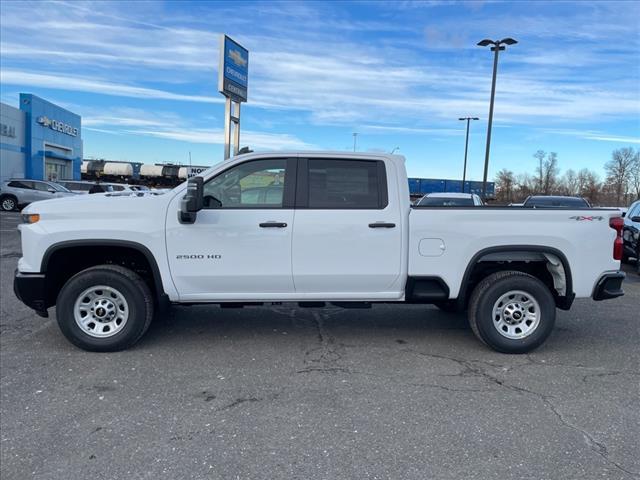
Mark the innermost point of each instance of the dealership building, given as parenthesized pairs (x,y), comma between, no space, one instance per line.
(39,140)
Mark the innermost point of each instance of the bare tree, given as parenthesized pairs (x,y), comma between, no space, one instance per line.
(569,184)
(540,156)
(589,185)
(619,171)
(635,175)
(505,181)
(549,173)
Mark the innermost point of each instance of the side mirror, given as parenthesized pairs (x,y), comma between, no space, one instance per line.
(51,190)
(192,202)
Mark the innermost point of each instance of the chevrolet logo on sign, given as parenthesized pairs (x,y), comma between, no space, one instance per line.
(237,58)
(44,121)
(57,126)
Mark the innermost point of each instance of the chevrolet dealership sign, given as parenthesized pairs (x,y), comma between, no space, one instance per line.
(57,126)
(233,72)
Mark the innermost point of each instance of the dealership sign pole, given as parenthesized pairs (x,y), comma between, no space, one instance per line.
(233,74)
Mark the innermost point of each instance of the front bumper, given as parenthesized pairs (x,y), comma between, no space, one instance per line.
(31,289)
(609,286)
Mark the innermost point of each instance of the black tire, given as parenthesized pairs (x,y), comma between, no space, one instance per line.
(129,285)
(486,295)
(8,203)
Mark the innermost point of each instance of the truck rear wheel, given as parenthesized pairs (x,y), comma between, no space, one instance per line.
(512,312)
(104,308)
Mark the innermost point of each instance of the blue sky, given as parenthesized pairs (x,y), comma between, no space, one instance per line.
(143,75)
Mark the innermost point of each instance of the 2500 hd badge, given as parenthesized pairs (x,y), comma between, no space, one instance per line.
(199,257)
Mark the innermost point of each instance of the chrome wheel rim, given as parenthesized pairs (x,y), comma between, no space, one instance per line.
(8,204)
(101,311)
(516,314)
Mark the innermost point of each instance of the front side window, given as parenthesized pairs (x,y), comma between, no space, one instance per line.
(346,184)
(43,187)
(254,184)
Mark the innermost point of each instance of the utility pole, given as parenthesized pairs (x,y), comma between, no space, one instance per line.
(355,136)
(497,46)
(466,148)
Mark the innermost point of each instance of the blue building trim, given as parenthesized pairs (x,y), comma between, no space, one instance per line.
(12,148)
(50,129)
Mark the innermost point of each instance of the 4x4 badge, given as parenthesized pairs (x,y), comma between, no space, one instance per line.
(580,218)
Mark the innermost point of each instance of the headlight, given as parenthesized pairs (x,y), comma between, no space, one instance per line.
(30,217)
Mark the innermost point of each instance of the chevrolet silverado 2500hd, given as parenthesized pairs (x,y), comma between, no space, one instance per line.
(309,227)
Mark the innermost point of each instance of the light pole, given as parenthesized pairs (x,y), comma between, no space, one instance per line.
(497,46)
(355,137)
(466,147)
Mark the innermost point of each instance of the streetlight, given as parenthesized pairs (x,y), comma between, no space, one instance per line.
(466,147)
(355,136)
(394,150)
(497,46)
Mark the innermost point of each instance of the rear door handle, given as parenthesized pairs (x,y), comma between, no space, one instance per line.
(273,225)
(382,225)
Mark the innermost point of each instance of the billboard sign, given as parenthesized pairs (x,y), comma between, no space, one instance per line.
(194,171)
(233,70)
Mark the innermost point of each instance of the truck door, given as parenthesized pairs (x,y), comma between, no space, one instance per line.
(347,236)
(240,245)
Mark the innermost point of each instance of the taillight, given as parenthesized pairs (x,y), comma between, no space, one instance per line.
(617,223)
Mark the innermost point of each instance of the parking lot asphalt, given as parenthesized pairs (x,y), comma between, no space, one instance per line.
(394,392)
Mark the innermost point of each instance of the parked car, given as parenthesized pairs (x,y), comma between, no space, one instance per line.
(631,234)
(450,200)
(341,231)
(83,186)
(551,201)
(17,193)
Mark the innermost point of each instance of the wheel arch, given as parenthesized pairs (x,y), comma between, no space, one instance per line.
(502,258)
(99,251)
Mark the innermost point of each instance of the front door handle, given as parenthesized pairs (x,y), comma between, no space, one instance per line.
(273,225)
(382,225)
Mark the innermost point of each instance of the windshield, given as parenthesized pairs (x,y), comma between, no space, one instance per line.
(445,202)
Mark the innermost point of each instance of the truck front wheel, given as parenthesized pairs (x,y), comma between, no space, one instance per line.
(512,312)
(104,308)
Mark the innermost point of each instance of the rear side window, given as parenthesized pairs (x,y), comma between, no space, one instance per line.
(21,184)
(346,184)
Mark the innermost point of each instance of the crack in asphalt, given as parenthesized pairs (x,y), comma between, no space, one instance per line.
(239,401)
(470,368)
(323,358)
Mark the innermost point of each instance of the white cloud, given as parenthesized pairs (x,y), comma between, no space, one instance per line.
(256,140)
(92,85)
(594,135)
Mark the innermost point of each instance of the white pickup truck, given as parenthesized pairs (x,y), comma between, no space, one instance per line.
(309,228)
